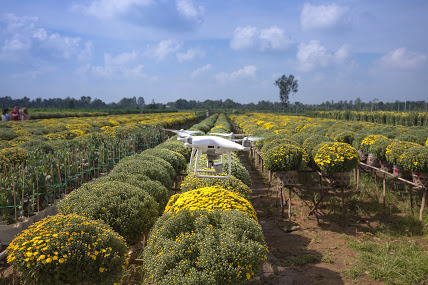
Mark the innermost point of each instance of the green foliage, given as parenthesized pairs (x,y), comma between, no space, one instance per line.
(175,145)
(285,157)
(154,188)
(37,145)
(378,148)
(191,182)
(68,249)
(128,210)
(415,159)
(204,247)
(177,160)
(157,160)
(148,168)
(276,141)
(8,134)
(345,136)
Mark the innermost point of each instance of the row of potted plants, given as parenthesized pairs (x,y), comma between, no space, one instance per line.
(208,234)
(38,165)
(292,142)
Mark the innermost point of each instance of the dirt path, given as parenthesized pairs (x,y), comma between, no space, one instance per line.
(318,244)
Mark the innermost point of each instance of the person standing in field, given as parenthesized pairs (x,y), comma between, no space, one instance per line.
(24,114)
(15,114)
(6,115)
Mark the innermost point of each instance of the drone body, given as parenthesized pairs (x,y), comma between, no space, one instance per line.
(213,147)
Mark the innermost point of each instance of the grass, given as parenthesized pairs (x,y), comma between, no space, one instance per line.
(393,246)
(392,261)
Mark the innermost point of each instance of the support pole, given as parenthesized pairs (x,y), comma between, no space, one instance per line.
(289,204)
(424,196)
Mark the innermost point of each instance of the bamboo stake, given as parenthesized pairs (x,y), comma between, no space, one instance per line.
(23,188)
(14,198)
(37,184)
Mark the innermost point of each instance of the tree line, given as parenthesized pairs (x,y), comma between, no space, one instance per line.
(86,102)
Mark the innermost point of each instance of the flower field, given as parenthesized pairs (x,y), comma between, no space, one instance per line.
(42,159)
(380,117)
(217,240)
(331,145)
(207,233)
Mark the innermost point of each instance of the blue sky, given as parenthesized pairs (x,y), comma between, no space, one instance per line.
(197,50)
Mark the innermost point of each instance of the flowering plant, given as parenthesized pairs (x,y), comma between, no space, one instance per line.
(378,148)
(210,198)
(368,141)
(311,142)
(15,155)
(145,167)
(285,157)
(396,149)
(177,160)
(191,182)
(204,247)
(68,249)
(128,210)
(415,159)
(337,157)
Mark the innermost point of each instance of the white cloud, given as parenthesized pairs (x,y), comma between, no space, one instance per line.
(163,49)
(190,55)
(124,64)
(22,38)
(311,55)
(252,38)
(106,9)
(186,9)
(314,55)
(62,46)
(323,16)
(247,71)
(403,59)
(200,70)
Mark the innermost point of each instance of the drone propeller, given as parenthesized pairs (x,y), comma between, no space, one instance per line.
(230,134)
(252,139)
(183,133)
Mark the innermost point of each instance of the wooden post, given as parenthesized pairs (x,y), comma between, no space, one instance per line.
(343,206)
(410,189)
(281,197)
(358,178)
(289,203)
(421,211)
(384,191)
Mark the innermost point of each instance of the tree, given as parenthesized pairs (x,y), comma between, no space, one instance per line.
(140,102)
(286,85)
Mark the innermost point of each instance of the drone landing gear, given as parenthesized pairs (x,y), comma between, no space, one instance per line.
(217,167)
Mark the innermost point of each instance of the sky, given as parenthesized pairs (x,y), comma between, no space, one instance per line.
(164,50)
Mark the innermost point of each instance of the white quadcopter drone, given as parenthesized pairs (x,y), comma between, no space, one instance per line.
(213,147)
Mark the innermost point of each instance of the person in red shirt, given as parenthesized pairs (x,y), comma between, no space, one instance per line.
(15,114)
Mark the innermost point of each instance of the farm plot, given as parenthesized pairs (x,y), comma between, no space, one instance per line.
(41,160)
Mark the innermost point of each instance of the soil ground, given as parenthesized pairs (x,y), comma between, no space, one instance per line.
(316,239)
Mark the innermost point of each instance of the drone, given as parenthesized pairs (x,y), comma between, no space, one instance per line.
(214,147)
